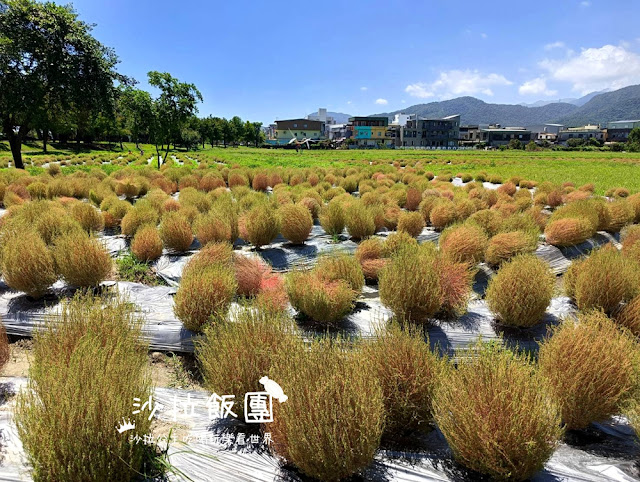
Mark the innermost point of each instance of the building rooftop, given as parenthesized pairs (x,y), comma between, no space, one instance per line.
(624,121)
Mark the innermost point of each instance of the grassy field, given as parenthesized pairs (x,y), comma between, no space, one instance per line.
(604,169)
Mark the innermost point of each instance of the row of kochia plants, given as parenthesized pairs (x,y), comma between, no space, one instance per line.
(502,412)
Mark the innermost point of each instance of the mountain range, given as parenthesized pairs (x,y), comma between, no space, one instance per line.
(597,108)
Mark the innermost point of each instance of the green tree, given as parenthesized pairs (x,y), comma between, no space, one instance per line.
(237,129)
(137,107)
(175,105)
(531,146)
(227,131)
(515,144)
(633,141)
(49,62)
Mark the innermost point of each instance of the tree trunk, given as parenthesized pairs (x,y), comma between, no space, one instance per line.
(16,150)
(45,137)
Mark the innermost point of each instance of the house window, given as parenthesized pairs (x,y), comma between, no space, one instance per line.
(295,125)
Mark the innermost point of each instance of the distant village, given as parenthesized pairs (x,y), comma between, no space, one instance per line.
(411,131)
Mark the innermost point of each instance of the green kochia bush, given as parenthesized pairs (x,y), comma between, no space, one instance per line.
(496,415)
(521,291)
(331,424)
(88,364)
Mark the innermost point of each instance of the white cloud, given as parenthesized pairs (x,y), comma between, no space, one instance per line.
(454,83)
(483,35)
(348,102)
(607,67)
(536,86)
(382,101)
(554,45)
(585,3)
(403,101)
(364,88)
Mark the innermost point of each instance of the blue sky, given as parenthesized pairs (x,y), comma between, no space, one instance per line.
(264,60)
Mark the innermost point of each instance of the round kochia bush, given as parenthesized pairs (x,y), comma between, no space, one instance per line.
(295,222)
(410,285)
(331,424)
(320,300)
(496,415)
(360,221)
(504,246)
(411,223)
(604,280)
(204,294)
(521,291)
(569,231)
(408,371)
(332,218)
(464,243)
(81,260)
(27,263)
(175,232)
(341,267)
(590,367)
(146,244)
(261,225)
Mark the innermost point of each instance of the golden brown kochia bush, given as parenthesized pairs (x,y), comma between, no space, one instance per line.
(204,295)
(590,367)
(341,267)
(410,285)
(407,371)
(521,291)
(261,225)
(489,220)
(496,415)
(604,280)
(88,217)
(147,245)
(411,223)
(369,255)
(464,243)
(318,299)
(236,353)
(568,231)
(211,254)
(210,227)
(295,222)
(620,213)
(629,316)
(249,273)
(359,221)
(81,260)
(328,428)
(443,213)
(175,232)
(505,246)
(332,218)
(27,263)
(88,363)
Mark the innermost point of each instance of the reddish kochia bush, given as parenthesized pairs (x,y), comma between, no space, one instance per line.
(590,367)
(521,291)
(250,271)
(295,222)
(505,246)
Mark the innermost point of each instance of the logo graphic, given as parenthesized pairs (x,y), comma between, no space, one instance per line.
(274,389)
(125,425)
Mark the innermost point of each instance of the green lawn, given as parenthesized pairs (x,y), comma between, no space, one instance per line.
(604,169)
